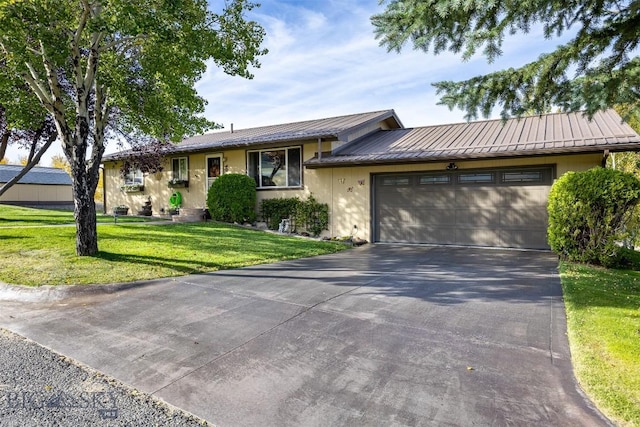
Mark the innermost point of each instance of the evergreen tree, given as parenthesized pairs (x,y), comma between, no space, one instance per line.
(597,69)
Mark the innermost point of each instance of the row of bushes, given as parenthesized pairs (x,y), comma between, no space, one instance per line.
(232,198)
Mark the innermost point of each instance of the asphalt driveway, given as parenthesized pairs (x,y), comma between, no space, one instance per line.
(380,335)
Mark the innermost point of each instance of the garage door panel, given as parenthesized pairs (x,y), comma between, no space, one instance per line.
(399,197)
(478,217)
(393,214)
(526,196)
(440,217)
(509,212)
(435,235)
(526,217)
(440,198)
(422,234)
(478,237)
(478,196)
(528,238)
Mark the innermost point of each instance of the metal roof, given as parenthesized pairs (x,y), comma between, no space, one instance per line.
(37,175)
(333,127)
(527,136)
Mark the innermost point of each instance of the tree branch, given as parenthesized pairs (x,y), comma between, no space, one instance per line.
(33,162)
(33,80)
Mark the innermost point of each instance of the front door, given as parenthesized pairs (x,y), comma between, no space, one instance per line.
(214,168)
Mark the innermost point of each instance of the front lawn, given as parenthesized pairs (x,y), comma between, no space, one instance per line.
(17,216)
(603,315)
(129,252)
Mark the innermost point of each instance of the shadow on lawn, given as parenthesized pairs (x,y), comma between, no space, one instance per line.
(186,268)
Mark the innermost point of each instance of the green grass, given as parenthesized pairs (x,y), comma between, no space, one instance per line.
(603,315)
(16,216)
(130,252)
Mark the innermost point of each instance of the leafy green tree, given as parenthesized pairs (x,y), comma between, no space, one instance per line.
(595,70)
(101,66)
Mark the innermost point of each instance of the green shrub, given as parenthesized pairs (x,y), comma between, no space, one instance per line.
(232,198)
(313,216)
(588,212)
(275,210)
(308,215)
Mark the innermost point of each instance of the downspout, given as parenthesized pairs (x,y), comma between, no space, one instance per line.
(604,159)
(319,148)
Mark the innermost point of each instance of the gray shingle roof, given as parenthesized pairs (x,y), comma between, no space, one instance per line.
(333,127)
(536,135)
(37,175)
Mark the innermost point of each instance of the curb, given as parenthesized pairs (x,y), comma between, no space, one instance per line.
(46,293)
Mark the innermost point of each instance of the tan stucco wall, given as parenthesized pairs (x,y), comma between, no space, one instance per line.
(35,193)
(155,185)
(347,190)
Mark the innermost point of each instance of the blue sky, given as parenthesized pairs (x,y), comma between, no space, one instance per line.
(324,61)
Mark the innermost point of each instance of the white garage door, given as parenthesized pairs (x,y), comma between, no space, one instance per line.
(501,208)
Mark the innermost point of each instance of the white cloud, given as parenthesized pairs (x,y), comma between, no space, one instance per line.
(324,61)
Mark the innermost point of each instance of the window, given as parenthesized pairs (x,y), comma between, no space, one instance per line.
(134,177)
(522,176)
(476,178)
(435,179)
(276,168)
(180,168)
(395,180)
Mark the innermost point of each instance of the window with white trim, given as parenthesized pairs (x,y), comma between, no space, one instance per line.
(134,177)
(276,168)
(180,169)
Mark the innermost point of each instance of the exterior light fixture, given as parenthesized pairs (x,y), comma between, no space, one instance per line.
(451,166)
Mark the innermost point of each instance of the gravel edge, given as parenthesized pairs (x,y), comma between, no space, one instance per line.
(40,387)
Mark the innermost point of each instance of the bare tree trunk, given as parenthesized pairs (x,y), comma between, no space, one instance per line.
(85,180)
(4,141)
(84,212)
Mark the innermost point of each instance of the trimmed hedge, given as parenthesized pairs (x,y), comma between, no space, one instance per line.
(275,210)
(588,212)
(232,198)
(309,214)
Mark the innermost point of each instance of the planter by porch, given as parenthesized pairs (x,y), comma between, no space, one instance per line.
(181,183)
(132,188)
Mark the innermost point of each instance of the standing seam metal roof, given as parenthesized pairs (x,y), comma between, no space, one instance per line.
(545,134)
(327,127)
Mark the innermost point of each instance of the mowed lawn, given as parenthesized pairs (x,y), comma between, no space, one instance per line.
(603,316)
(45,255)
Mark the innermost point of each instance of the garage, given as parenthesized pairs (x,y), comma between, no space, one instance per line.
(483,207)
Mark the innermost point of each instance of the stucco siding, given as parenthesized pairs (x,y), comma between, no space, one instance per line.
(156,185)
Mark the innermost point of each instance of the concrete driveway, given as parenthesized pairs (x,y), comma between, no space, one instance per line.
(380,335)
